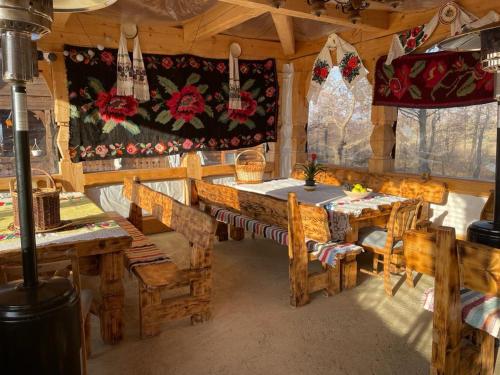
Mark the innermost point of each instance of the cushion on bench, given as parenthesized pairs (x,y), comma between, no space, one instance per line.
(478,310)
(142,251)
(325,252)
(375,237)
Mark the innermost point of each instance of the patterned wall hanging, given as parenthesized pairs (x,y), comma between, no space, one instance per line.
(433,80)
(188,109)
(349,62)
(451,14)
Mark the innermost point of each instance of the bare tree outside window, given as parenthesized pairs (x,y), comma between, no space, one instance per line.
(339,126)
(452,142)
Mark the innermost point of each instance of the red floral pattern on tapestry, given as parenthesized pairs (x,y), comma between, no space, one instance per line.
(434,80)
(187,111)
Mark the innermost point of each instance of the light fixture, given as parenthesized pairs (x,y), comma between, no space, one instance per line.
(353,8)
(278,3)
(318,7)
(73,6)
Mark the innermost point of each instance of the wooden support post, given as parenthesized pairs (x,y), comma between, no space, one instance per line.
(192,162)
(201,288)
(222,232)
(297,253)
(349,271)
(149,303)
(112,293)
(382,139)
(236,234)
(447,318)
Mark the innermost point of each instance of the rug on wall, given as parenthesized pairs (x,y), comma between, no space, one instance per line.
(188,109)
(433,80)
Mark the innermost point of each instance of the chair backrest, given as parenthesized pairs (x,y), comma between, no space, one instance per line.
(266,209)
(404,217)
(195,225)
(455,264)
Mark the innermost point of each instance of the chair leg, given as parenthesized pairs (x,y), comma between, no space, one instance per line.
(87,328)
(487,352)
(409,278)
(387,275)
(375,263)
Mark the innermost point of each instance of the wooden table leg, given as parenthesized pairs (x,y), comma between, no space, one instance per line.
(112,295)
(236,234)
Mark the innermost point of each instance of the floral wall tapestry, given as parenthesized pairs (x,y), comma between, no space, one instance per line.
(433,80)
(188,109)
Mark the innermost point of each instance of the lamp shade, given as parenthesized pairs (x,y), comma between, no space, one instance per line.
(72,6)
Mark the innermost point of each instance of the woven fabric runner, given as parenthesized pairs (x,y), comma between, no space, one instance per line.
(327,253)
(478,310)
(142,252)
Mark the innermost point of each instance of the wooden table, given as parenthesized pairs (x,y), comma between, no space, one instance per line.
(375,209)
(99,242)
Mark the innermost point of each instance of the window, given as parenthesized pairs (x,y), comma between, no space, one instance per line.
(452,142)
(340,125)
(42,129)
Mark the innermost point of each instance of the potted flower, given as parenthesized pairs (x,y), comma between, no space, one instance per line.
(311,169)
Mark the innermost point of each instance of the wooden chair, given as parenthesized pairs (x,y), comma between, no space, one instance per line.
(61,268)
(154,278)
(297,221)
(387,242)
(457,347)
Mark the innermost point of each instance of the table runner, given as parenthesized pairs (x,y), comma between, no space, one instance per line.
(338,205)
(90,223)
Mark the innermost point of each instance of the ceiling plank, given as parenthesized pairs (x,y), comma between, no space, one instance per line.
(284,27)
(217,20)
(60,21)
(371,20)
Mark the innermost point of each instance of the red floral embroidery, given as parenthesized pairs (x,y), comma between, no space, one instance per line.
(160,148)
(101,150)
(248,108)
(221,67)
(107,57)
(434,73)
(114,107)
(400,83)
(132,149)
(187,144)
(235,141)
(167,62)
(186,104)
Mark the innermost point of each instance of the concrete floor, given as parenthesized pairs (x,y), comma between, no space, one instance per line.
(255,331)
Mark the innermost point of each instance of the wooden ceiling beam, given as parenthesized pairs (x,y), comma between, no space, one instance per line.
(284,27)
(371,20)
(217,20)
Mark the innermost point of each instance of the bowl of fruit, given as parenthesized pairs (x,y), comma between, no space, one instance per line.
(356,191)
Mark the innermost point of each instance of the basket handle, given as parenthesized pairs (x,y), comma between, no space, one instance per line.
(51,183)
(246,152)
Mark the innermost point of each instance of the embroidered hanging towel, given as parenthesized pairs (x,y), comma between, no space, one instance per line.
(125,81)
(350,64)
(234,82)
(450,14)
(408,41)
(141,87)
(349,61)
(321,69)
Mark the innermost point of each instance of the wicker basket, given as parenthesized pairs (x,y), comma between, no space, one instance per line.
(251,170)
(46,204)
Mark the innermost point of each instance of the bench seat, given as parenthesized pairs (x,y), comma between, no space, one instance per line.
(327,253)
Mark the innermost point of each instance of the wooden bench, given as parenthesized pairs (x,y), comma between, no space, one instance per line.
(156,273)
(458,347)
(299,222)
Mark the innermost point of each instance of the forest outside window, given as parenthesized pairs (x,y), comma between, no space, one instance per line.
(452,142)
(339,126)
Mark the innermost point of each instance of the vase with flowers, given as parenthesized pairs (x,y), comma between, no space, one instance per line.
(311,169)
